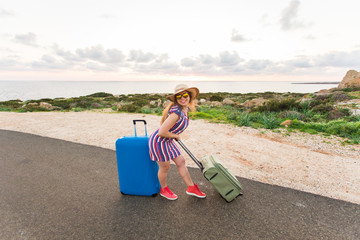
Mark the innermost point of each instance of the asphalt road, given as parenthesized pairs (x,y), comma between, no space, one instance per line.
(53,189)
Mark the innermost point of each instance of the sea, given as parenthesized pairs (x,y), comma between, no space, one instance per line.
(35,90)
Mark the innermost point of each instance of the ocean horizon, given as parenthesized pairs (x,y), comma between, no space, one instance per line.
(35,90)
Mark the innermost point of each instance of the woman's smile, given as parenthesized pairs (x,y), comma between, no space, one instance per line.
(183,101)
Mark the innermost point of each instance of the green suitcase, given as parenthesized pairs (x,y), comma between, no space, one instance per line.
(224,182)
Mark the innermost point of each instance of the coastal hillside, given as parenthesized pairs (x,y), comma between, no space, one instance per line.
(328,112)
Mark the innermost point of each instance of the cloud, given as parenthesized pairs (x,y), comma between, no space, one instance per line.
(95,66)
(97,58)
(28,39)
(288,20)
(66,55)
(257,65)
(5,13)
(7,63)
(236,37)
(188,62)
(50,62)
(338,59)
(161,64)
(98,53)
(140,57)
(227,59)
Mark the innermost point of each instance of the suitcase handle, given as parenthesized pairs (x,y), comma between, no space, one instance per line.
(200,165)
(140,120)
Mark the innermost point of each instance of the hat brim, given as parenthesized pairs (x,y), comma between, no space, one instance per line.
(193,91)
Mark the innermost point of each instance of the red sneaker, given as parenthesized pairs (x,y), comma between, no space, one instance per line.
(195,191)
(167,193)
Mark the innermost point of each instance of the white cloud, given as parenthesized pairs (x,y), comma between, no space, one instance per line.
(288,20)
(257,65)
(28,39)
(98,59)
(339,59)
(227,59)
(6,13)
(95,66)
(141,57)
(49,62)
(188,62)
(66,55)
(7,63)
(237,37)
(98,53)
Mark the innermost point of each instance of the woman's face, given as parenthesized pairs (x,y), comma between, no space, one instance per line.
(183,98)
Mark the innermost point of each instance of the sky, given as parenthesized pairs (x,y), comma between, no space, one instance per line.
(186,40)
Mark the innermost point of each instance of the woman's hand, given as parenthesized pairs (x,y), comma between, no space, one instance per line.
(177,137)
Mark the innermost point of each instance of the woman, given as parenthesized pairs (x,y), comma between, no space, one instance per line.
(174,121)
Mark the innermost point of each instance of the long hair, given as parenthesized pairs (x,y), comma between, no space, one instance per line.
(167,109)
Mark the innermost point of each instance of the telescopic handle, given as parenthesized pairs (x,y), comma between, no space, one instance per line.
(140,120)
(191,155)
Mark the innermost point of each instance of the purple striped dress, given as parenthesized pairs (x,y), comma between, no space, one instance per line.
(164,149)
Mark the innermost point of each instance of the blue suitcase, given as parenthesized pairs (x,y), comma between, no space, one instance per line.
(137,173)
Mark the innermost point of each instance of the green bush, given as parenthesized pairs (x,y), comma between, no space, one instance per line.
(146,110)
(216,97)
(130,108)
(270,121)
(339,128)
(279,105)
(244,119)
(202,115)
(100,94)
(323,108)
(5,109)
(11,104)
(292,115)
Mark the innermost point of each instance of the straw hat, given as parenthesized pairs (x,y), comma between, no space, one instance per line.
(194,92)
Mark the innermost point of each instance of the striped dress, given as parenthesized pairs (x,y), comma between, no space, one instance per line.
(164,149)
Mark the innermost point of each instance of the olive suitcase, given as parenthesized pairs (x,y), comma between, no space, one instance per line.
(224,182)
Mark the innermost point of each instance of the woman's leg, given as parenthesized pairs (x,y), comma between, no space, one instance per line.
(162,174)
(183,171)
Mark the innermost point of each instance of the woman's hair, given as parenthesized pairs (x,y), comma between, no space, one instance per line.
(167,109)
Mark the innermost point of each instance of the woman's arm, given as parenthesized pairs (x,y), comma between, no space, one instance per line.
(169,123)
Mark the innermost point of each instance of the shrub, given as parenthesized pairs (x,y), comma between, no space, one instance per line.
(11,104)
(270,121)
(244,119)
(202,115)
(351,89)
(340,128)
(336,114)
(323,108)
(340,96)
(64,104)
(292,115)
(5,109)
(100,94)
(216,97)
(146,110)
(130,108)
(277,106)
